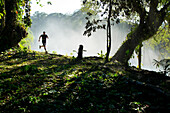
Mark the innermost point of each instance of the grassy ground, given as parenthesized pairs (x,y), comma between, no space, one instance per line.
(50,83)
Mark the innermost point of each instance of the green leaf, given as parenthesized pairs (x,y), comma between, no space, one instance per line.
(127,52)
(1,14)
(49,3)
(115,74)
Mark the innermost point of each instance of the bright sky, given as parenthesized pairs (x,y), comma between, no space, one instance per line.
(58,6)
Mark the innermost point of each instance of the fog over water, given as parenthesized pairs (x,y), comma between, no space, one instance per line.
(64,38)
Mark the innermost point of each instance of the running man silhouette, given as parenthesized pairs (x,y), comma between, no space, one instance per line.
(44,36)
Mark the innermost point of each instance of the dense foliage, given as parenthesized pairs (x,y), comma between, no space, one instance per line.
(14,19)
(21,10)
(27,41)
(161,41)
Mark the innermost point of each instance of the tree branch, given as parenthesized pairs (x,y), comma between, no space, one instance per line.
(153,4)
(165,7)
(139,9)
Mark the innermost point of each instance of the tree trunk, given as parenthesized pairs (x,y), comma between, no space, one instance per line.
(108,33)
(140,56)
(125,51)
(13,32)
(143,32)
(80,52)
(108,41)
(146,29)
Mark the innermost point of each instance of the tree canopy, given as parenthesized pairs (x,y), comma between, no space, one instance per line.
(161,41)
(148,14)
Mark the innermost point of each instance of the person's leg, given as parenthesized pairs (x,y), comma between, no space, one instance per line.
(41,45)
(44,45)
(45,49)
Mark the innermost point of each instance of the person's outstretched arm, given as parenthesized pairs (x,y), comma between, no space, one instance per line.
(39,38)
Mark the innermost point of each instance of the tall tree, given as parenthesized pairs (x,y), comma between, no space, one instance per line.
(13,23)
(149,13)
(109,32)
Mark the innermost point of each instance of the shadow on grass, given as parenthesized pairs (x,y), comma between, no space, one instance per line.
(21,85)
(53,84)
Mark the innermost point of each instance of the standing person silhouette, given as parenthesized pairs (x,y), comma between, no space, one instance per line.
(44,36)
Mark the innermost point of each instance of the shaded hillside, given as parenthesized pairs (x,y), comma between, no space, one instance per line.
(38,82)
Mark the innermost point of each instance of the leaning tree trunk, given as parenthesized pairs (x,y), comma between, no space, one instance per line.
(148,26)
(126,50)
(12,32)
(143,32)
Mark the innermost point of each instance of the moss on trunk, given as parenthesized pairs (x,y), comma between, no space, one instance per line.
(13,31)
